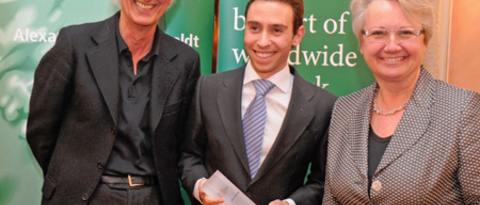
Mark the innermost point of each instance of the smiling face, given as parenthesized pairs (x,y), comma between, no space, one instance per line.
(143,13)
(269,36)
(392,61)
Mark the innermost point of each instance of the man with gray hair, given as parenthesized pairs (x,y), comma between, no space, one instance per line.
(108,108)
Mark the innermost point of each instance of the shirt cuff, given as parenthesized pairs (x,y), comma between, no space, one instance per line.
(196,193)
(290,201)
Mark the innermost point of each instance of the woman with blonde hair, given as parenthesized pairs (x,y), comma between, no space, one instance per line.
(408,138)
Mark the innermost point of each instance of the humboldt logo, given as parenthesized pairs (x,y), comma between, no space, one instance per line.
(25,35)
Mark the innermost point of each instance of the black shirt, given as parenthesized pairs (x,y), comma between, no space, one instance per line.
(132,151)
(376,148)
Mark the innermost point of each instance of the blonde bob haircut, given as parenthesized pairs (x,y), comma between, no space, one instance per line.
(414,10)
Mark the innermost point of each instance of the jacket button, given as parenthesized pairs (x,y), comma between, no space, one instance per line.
(100,166)
(114,131)
(377,186)
(84,196)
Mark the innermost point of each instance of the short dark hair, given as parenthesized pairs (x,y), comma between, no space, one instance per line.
(297,6)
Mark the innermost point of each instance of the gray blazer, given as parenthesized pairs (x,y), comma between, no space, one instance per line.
(432,158)
(215,141)
(74,108)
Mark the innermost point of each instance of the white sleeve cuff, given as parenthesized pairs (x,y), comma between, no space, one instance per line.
(196,193)
(290,201)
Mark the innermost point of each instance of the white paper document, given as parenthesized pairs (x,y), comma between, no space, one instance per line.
(219,186)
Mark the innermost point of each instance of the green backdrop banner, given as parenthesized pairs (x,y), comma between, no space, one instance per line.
(328,55)
(191,21)
(28,28)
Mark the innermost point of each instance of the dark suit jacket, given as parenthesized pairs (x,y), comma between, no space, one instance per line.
(214,141)
(74,104)
(432,158)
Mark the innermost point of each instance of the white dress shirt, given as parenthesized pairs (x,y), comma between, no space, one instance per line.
(277,101)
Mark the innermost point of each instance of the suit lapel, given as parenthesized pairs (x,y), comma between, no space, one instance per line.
(103,61)
(298,117)
(229,105)
(414,122)
(358,126)
(164,75)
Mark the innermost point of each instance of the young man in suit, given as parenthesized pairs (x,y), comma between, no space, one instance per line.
(262,124)
(108,106)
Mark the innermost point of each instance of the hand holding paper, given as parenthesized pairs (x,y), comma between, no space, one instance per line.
(219,186)
(204,198)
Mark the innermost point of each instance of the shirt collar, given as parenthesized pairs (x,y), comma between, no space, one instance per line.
(122,46)
(281,79)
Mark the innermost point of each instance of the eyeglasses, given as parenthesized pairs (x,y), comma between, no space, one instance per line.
(382,35)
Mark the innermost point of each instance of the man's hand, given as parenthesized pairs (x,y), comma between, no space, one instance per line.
(206,200)
(278,202)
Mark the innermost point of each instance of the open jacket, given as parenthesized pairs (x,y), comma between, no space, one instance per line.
(215,141)
(74,109)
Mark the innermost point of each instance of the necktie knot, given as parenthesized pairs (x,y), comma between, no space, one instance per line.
(263,86)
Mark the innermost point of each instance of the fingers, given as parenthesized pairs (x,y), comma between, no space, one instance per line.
(278,202)
(211,201)
(207,200)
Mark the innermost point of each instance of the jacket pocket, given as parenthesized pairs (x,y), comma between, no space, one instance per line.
(48,187)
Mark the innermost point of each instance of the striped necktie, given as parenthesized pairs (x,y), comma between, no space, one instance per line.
(254,124)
